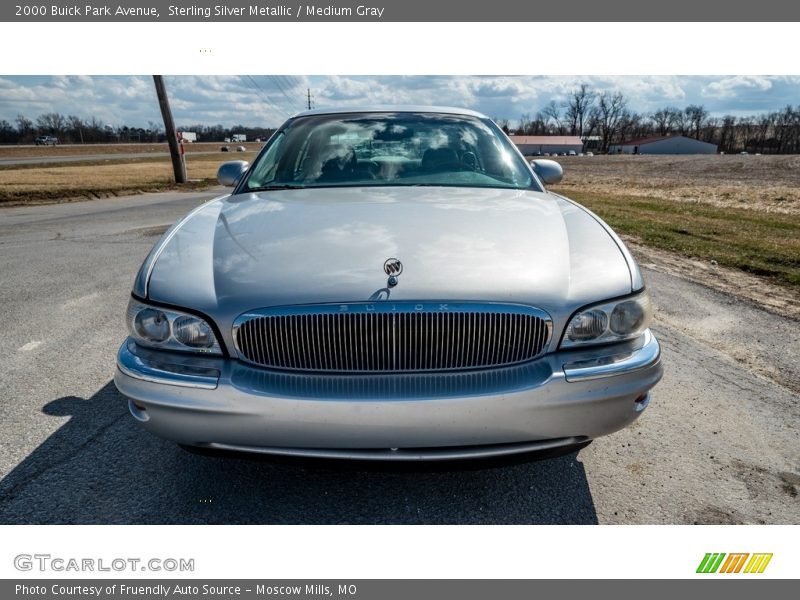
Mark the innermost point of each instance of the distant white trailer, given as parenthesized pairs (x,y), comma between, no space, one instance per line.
(187,136)
(239,137)
(670,144)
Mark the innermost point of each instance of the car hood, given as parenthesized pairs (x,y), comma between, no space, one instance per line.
(329,245)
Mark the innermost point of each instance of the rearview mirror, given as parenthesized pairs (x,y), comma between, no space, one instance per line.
(549,171)
(230,172)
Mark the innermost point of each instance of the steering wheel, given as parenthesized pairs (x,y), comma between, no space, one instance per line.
(470,161)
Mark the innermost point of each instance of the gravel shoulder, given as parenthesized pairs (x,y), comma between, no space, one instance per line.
(758,291)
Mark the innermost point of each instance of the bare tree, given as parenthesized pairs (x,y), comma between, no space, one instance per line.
(682,122)
(746,130)
(51,122)
(7,132)
(610,109)
(524,124)
(763,128)
(630,125)
(727,133)
(787,130)
(551,111)
(539,125)
(76,126)
(696,115)
(710,129)
(96,130)
(579,105)
(664,119)
(24,126)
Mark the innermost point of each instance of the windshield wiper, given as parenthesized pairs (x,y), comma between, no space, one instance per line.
(282,186)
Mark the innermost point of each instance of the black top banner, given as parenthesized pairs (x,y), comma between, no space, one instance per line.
(403,10)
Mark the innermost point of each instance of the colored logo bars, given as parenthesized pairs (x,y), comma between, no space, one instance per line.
(733,563)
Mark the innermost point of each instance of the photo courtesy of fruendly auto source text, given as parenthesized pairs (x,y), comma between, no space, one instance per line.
(369,264)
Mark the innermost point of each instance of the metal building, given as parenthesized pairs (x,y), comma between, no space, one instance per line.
(668,144)
(537,145)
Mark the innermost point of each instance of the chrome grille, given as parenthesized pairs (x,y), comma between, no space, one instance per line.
(392,337)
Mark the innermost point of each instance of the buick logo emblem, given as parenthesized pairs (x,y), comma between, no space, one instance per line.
(393,267)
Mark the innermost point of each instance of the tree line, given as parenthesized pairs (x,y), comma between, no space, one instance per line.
(605,118)
(600,118)
(71,129)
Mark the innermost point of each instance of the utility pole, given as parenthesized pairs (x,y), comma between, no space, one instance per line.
(309,98)
(178,164)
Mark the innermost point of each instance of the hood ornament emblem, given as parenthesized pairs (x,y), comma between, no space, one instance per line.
(392,267)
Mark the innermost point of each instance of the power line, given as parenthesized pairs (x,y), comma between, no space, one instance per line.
(265,97)
(292,83)
(279,86)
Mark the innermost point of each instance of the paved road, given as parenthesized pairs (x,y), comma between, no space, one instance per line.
(41,160)
(719,443)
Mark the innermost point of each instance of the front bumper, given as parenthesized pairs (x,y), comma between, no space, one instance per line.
(560,399)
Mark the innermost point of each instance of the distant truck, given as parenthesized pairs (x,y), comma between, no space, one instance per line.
(187,136)
(239,137)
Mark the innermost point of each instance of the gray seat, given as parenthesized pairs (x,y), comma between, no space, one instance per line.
(440,159)
(341,167)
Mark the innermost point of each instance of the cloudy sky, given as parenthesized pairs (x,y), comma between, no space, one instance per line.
(259,100)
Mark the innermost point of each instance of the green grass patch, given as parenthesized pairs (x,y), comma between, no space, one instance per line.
(762,243)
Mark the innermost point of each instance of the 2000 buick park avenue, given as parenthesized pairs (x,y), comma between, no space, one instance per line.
(389,285)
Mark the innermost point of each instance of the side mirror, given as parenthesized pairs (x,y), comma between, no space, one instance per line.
(230,172)
(548,171)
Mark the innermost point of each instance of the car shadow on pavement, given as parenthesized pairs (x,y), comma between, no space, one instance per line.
(101,467)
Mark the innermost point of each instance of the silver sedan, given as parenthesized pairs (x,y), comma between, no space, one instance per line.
(388,285)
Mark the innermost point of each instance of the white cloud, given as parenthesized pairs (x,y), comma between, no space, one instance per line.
(264,100)
(731,87)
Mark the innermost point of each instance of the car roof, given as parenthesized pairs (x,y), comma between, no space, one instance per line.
(447,110)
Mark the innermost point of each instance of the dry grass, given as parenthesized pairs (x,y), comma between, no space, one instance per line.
(55,182)
(737,211)
(760,183)
(78,150)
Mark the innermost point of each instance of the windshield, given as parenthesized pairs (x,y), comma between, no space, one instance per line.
(389,149)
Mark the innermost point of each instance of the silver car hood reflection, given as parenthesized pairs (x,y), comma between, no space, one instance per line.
(326,245)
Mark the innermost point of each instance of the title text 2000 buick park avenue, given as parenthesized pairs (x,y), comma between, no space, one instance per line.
(388,284)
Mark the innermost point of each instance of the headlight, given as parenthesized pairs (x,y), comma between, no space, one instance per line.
(614,321)
(169,329)
(193,332)
(151,324)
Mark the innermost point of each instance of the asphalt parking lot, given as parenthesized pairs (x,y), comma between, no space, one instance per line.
(719,443)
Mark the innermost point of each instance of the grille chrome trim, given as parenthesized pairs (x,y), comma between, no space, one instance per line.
(392,337)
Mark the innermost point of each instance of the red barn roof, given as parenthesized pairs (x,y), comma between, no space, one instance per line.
(543,140)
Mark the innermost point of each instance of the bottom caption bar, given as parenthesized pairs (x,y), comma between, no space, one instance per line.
(384,589)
